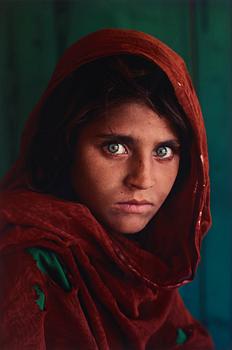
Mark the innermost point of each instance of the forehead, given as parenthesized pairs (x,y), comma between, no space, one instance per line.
(134,119)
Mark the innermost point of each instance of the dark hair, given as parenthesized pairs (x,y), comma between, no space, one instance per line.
(86,94)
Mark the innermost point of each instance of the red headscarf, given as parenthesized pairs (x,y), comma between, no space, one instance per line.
(127,293)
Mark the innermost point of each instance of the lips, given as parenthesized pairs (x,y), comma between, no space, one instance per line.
(134,207)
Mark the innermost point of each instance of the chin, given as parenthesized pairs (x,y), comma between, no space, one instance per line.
(128,228)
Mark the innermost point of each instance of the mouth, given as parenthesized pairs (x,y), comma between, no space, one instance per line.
(134,207)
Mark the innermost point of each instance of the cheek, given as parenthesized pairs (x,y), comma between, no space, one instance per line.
(167,177)
(92,174)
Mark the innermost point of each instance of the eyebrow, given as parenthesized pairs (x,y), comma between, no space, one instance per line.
(126,139)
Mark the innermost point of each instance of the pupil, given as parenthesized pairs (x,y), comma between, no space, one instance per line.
(113,147)
(162,151)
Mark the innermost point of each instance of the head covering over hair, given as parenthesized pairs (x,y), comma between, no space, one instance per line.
(169,257)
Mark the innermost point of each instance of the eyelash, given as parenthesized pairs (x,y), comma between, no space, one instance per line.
(174,149)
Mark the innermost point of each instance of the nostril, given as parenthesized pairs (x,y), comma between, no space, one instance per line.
(139,181)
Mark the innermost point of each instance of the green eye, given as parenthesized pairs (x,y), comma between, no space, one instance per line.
(116,148)
(164,152)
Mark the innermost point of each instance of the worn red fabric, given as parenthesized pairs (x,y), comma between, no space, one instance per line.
(124,294)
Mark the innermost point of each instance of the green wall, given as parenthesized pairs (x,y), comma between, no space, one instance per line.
(33,34)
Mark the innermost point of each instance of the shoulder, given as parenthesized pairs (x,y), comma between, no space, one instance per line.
(22,298)
(32,265)
(189,331)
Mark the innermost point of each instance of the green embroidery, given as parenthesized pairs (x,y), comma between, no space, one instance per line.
(181,336)
(41,297)
(49,263)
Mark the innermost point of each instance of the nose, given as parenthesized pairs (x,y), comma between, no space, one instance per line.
(140,174)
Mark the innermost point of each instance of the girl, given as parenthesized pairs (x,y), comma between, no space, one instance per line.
(104,212)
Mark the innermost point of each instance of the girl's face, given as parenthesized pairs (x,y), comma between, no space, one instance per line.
(125,166)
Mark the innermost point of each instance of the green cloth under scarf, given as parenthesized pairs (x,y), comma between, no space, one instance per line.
(49,263)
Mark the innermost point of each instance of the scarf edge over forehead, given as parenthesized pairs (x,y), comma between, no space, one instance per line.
(185,222)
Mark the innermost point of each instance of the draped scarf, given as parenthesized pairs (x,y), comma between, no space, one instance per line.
(118,293)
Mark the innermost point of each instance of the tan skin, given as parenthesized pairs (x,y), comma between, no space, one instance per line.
(140,163)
